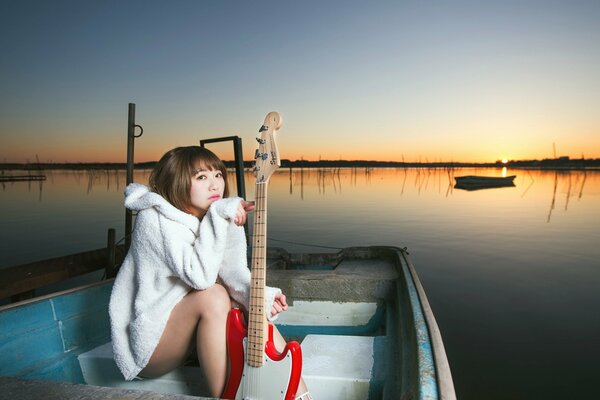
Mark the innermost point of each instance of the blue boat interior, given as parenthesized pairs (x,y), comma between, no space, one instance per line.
(380,349)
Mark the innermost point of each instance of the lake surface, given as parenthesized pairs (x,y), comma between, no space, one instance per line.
(512,274)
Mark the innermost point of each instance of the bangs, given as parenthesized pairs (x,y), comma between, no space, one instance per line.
(205,160)
(200,165)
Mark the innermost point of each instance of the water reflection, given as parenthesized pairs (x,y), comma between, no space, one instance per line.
(556,186)
(92,179)
(531,182)
(532,186)
(333,180)
(573,186)
(32,185)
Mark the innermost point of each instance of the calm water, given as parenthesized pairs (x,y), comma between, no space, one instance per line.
(512,274)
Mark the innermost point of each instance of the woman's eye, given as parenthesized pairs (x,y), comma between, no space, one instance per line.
(219,175)
(201,177)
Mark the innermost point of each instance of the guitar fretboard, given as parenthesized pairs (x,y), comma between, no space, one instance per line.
(257,334)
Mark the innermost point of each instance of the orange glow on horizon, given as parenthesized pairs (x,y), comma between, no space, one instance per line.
(148,149)
(150,155)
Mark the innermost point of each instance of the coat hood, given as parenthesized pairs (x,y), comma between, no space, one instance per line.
(139,197)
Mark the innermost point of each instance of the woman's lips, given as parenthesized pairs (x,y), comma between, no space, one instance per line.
(214,197)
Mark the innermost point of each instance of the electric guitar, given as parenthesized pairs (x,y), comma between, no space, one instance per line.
(257,370)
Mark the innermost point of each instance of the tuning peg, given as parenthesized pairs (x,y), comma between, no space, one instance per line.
(258,154)
(261,141)
(263,128)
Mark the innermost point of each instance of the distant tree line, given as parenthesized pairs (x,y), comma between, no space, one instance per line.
(555,163)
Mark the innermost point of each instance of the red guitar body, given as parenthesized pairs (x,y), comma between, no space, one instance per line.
(281,371)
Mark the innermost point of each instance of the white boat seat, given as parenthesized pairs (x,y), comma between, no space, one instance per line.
(99,368)
(334,367)
(344,367)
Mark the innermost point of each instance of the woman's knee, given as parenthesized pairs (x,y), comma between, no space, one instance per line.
(212,302)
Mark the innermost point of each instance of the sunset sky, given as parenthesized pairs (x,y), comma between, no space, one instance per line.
(388,80)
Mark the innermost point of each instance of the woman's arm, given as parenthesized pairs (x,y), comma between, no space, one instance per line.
(235,275)
(196,260)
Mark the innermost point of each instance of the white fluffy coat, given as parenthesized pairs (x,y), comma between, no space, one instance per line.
(172,252)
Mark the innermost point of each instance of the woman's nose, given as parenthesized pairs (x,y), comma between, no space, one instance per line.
(213,182)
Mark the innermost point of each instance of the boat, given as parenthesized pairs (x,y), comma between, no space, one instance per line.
(361,315)
(475,182)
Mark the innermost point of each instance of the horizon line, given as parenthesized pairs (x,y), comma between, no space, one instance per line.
(563,159)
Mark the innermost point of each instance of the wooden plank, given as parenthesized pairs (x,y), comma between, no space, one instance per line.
(16,178)
(27,277)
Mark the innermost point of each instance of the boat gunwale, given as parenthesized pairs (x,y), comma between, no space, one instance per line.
(444,379)
(52,295)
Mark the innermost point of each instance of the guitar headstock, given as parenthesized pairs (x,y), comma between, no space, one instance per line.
(267,155)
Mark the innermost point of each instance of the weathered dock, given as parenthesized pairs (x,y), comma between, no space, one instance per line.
(16,178)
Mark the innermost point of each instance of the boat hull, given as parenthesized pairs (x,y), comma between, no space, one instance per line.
(474,182)
(369,297)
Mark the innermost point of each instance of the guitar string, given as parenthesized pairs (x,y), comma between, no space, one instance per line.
(260,254)
(257,254)
(254,354)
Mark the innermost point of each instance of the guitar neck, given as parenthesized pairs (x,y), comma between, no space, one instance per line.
(257,326)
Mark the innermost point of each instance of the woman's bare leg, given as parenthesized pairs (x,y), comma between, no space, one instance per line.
(280,345)
(211,341)
(200,318)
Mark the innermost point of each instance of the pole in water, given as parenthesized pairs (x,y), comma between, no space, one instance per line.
(130,152)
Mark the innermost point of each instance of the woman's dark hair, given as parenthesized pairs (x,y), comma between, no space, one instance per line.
(172,176)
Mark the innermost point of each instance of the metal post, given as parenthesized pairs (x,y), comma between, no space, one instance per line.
(239,166)
(131,125)
(130,143)
(239,160)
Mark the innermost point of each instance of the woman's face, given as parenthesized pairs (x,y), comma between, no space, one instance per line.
(207,187)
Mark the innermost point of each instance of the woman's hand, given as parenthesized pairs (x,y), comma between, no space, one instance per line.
(244,208)
(279,304)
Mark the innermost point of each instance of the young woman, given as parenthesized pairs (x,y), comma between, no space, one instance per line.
(185,269)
